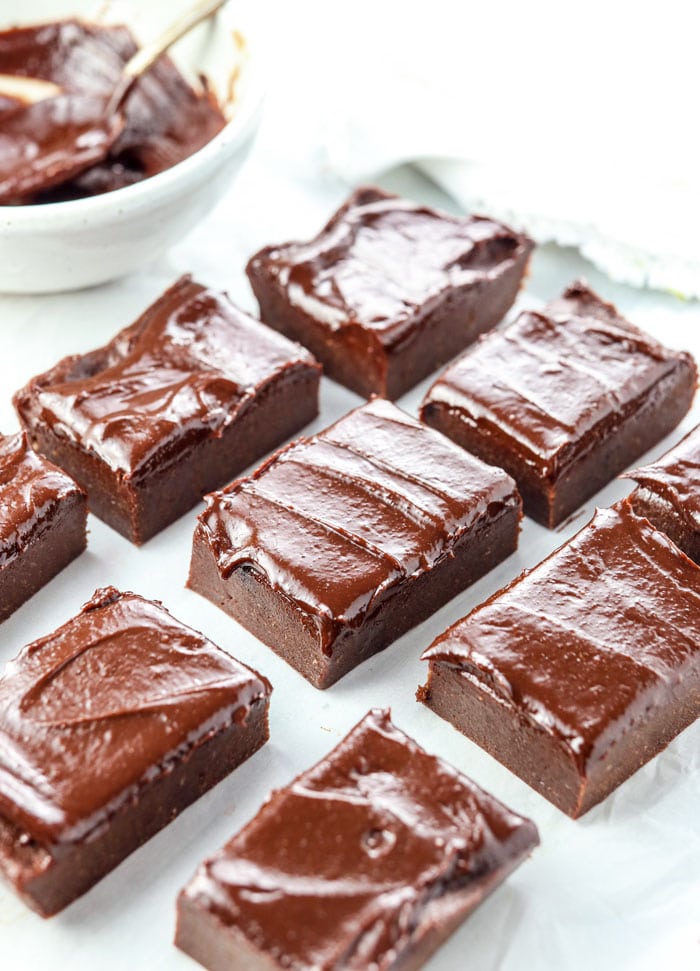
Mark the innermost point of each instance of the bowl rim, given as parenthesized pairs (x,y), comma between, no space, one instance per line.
(162,183)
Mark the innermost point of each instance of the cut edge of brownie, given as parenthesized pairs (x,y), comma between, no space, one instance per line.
(656,496)
(355,356)
(45,556)
(50,858)
(531,753)
(550,500)
(668,517)
(220,945)
(49,881)
(139,506)
(139,509)
(55,539)
(463,697)
(282,624)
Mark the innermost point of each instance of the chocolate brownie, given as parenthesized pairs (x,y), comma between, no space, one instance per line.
(109,727)
(669,493)
(43,515)
(174,406)
(370,859)
(389,290)
(563,399)
(342,542)
(584,668)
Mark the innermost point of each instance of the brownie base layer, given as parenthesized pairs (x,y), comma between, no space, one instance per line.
(356,358)
(218,946)
(532,754)
(668,519)
(551,500)
(50,878)
(45,556)
(292,633)
(138,508)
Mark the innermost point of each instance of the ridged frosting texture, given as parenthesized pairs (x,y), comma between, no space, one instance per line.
(336,520)
(675,476)
(553,378)
(339,869)
(105,704)
(183,372)
(381,262)
(31,490)
(586,643)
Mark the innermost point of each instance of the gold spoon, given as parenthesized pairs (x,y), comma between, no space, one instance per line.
(51,136)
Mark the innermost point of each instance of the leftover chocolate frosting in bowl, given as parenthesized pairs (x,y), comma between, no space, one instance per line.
(164,119)
(188,126)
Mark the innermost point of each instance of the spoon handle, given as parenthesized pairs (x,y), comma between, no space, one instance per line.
(27,89)
(147,55)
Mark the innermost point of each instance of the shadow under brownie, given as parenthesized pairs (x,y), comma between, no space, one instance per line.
(390,290)
(109,728)
(341,542)
(563,399)
(174,406)
(668,493)
(43,515)
(370,859)
(582,669)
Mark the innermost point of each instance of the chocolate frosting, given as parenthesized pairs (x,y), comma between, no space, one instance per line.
(382,263)
(340,868)
(586,643)
(165,120)
(335,521)
(675,477)
(31,490)
(105,704)
(188,367)
(554,380)
(48,143)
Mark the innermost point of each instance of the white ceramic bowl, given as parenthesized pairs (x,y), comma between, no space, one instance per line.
(76,244)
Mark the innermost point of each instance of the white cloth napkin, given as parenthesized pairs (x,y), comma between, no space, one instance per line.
(573,120)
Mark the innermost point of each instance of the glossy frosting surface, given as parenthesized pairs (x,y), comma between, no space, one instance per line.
(336,520)
(31,489)
(382,262)
(48,143)
(675,476)
(582,645)
(546,383)
(337,870)
(165,119)
(184,371)
(103,705)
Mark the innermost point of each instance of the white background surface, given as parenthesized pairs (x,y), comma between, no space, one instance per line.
(618,889)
